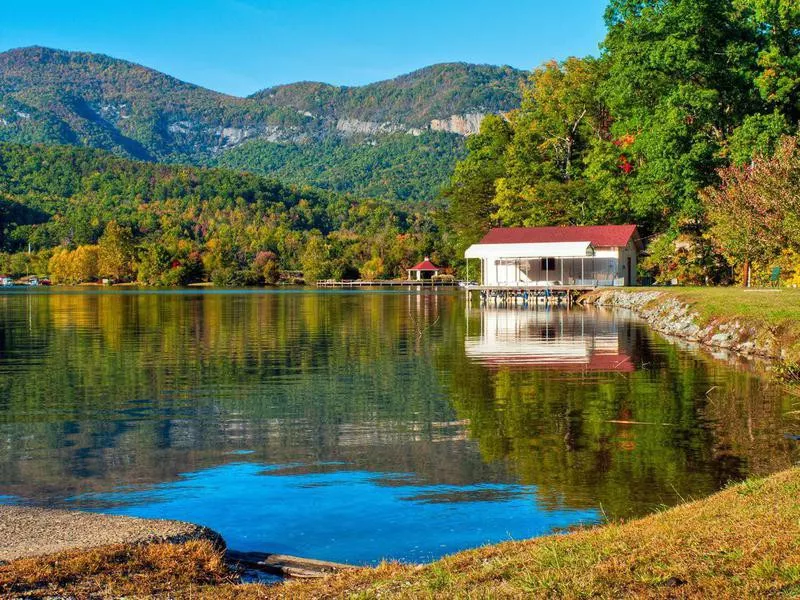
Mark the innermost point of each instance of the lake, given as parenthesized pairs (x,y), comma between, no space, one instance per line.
(358,426)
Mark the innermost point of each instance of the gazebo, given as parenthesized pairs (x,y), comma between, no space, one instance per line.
(424,270)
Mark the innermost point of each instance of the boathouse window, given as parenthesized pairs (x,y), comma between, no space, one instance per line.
(548,264)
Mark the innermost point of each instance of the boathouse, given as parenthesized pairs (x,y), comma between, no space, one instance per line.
(424,270)
(588,256)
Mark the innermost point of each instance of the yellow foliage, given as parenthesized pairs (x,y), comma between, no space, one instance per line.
(790,265)
(76,266)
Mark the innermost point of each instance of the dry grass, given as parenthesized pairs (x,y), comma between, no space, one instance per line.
(743,542)
(112,571)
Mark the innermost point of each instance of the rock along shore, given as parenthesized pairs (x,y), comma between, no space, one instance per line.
(27,531)
(667,314)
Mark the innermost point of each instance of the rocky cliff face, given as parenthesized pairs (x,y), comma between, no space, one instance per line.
(463,125)
(468,124)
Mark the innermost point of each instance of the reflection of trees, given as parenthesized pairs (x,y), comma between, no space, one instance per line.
(109,388)
(557,428)
(140,387)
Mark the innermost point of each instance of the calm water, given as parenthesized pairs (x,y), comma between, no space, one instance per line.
(362,426)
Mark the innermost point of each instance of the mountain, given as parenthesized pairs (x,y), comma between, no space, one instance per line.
(447,97)
(397,138)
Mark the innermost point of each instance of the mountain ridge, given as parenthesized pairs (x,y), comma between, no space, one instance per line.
(86,99)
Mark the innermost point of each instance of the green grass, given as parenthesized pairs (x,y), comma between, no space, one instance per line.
(776,307)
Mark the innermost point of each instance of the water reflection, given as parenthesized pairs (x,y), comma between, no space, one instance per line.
(343,514)
(551,339)
(402,420)
(595,409)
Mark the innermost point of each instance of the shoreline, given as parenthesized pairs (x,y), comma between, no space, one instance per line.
(741,542)
(676,313)
(27,532)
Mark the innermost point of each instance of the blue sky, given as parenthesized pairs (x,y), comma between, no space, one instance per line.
(240,46)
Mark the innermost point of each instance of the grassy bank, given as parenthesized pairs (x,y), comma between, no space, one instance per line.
(741,542)
(777,307)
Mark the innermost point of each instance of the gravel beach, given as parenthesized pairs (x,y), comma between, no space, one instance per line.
(26,531)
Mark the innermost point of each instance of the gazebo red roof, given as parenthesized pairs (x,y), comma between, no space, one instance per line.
(425,265)
(598,235)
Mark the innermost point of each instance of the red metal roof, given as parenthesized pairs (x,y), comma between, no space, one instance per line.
(598,235)
(425,265)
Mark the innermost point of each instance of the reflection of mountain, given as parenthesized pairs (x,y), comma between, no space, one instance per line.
(549,339)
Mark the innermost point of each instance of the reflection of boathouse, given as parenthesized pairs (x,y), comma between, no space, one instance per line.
(553,339)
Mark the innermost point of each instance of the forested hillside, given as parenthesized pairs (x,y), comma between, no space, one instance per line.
(57,97)
(673,127)
(415,99)
(400,167)
(86,214)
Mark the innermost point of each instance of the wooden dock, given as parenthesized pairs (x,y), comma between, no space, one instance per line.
(508,295)
(390,283)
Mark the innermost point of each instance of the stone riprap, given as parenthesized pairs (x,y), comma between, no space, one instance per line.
(667,314)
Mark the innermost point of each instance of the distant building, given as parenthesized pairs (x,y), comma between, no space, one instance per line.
(424,270)
(601,255)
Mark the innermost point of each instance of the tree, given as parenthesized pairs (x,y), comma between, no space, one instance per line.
(373,269)
(755,212)
(154,263)
(315,258)
(560,118)
(266,264)
(680,80)
(116,252)
(472,187)
(778,26)
(76,266)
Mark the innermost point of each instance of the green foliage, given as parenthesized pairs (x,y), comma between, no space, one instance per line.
(396,167)
(116,252)
(779,58)
(680,79)
(172,225)
(315,259)
(52,96)
(472,187)
(757,136)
